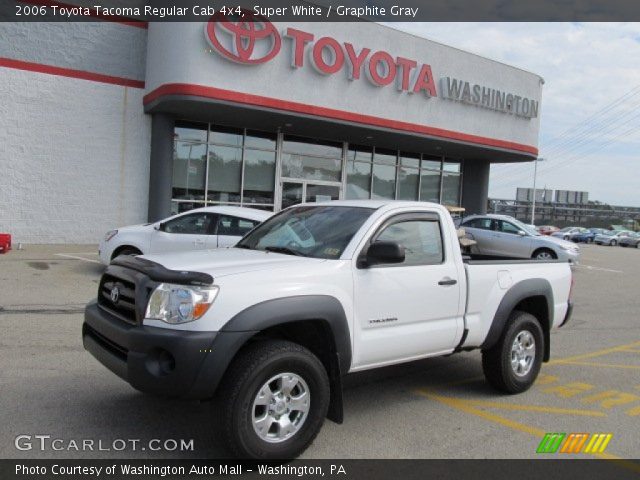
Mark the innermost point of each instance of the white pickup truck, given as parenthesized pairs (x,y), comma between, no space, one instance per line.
(268,328)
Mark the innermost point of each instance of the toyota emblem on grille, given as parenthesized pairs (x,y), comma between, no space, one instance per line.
(115,294)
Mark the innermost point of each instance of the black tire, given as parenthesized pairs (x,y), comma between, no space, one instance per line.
(496,361)
(126,251)
(542,251)
(233,406)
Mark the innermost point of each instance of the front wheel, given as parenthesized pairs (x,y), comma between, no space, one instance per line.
(272,401)
(513,364)
(544,254)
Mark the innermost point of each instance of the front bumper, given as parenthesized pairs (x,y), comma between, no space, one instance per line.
(169,362)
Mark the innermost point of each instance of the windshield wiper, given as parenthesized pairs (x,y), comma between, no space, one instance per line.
(285,250)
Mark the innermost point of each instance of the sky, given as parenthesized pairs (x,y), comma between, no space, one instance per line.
(590,110)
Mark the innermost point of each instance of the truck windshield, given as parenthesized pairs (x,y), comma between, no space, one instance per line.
(321,231)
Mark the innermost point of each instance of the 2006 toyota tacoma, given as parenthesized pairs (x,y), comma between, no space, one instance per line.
(268,328)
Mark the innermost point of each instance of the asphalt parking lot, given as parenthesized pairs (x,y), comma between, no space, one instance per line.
(437,408)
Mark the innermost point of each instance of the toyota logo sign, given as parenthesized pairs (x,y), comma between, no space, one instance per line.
(252,39)
(115,295)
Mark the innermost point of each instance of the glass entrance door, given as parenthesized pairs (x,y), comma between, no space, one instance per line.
(307,191)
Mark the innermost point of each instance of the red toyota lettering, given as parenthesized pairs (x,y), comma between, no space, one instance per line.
(300,39)
(386,60)
(356,60)
(425,82)
(327,44)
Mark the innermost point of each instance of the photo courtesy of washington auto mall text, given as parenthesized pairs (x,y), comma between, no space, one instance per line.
(359,239)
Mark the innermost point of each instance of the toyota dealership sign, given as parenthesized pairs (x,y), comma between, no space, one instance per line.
(255,40)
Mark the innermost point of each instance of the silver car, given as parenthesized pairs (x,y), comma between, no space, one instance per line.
(611,237)
(504,236)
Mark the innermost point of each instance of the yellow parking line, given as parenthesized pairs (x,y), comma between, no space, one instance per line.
(521,427)
(597,353)
(466,407)
(536,408)
(606,365)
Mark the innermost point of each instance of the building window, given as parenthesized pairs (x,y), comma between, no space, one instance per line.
(377,173)
(221,165)
(451,183)
(384,174)
(311,159)
(430,173)
(408,176)
(359,161)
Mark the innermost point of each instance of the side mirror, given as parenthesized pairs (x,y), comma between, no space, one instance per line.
(383,253)
(159,227)
(522,233)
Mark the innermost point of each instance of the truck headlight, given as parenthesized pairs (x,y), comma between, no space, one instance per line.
(180,303)
(110,234)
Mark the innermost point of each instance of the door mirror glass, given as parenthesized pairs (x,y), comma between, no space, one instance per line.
(159,227)
(382,252)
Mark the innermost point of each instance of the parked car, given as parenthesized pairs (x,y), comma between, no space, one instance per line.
(504,236)
(611,237)
(633,240)
(547,229)
(567,233)
(198,229)
(312,294)
(587,235)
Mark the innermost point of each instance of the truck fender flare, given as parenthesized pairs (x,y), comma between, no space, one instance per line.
(533,287)
(275,312)
(261,316)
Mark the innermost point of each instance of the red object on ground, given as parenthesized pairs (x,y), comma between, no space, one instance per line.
(5,242)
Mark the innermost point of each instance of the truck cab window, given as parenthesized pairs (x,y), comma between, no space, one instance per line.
(420,238)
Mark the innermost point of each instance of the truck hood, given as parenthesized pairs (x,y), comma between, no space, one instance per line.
(228,261)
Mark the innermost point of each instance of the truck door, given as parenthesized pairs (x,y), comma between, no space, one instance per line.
(413,308)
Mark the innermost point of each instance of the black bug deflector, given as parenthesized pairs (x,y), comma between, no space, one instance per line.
(159,273)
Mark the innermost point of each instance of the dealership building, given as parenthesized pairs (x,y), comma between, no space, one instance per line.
(111,122)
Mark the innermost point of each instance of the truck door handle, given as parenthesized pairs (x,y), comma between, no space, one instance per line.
(447,281)
(198,242)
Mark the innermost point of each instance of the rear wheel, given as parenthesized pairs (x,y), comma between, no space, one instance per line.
(544,254)
(513,363)
(272,401)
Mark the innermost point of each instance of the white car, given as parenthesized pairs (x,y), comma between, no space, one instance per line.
(198,229)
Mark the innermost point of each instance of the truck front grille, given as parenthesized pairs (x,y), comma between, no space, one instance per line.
(118,297)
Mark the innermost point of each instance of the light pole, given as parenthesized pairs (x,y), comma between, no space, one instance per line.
(533,203)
